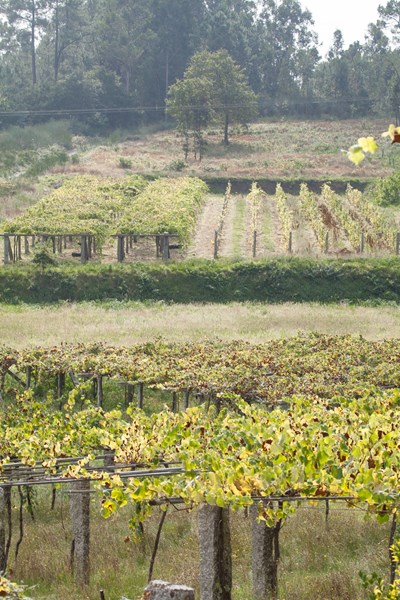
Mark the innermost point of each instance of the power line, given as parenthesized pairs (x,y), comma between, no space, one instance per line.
(134,109)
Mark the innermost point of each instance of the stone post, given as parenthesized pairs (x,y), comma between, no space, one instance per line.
(215,553)
(264,565)
(80,522)
(3,565)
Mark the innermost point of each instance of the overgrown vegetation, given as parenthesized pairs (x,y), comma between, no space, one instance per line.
(280,280)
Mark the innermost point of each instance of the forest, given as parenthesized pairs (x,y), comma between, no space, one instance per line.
(110,62)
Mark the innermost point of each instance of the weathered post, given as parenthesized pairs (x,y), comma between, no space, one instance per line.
(215,553)
(162,590)
(129,393)
(3,556)
(264,565)
(99,391)
(84,251)
(186,398)
(140,393)
(6,257)
(174,402)
(120,247)
(254,244)
(216,242)
(28,377)
(397,244)
(165,250)
(80,521)
(290,246)
(362,243)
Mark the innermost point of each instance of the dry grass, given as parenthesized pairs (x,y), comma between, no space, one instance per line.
(125,323)
(272,149)
(316,562)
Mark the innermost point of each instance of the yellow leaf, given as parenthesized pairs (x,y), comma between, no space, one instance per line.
(392,130)
(355,154)
(368,144)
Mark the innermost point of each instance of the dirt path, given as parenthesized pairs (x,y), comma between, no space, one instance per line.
(203,242)
(226,248)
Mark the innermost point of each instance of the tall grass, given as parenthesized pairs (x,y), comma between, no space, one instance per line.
(33,137)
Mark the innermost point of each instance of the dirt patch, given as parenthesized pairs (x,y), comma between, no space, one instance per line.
(203,242)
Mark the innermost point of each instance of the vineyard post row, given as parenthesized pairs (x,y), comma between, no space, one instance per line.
(98,394)
(88,247)
(215,548)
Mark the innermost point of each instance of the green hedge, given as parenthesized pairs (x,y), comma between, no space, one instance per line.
(280,280)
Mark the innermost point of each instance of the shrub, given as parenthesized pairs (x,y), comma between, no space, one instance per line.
(387,191)
(125,163)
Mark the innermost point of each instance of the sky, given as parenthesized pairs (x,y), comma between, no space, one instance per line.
(352,17)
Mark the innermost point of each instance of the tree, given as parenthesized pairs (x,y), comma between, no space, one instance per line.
(26,18)
(285,36)
(68,25)
(231,98)
(189,103)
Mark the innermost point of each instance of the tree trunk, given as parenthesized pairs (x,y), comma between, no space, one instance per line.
(56,44)
(33,49)
(226,129)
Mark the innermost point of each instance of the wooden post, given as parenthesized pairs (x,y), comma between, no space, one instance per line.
(28,378)
(165,254)
(327,242)
(397,244)
(140,395)
(216,243)
(174,402)
(129,393)
(186,398)
(99,391)
(254,244)
(215,553)
(120,248)
(290,248)
(84,248)
(60,384)
(80,521)
(3,518)
(362,243)
(6,257)
(162,590)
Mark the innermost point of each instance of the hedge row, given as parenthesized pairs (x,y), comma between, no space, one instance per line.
(281,280)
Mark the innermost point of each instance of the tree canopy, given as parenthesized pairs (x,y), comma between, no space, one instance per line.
(103,55)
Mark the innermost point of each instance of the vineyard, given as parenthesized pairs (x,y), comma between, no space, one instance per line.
(98,209)
(267,428)
(121,220)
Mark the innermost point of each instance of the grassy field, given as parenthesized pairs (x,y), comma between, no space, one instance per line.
(284,148)
(125,323)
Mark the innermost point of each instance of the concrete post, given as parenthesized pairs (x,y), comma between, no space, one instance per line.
(80,522)
(3,564)
(264,566)
(215,553)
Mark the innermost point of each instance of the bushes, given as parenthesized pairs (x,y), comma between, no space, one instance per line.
(387,191)
(283,280)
